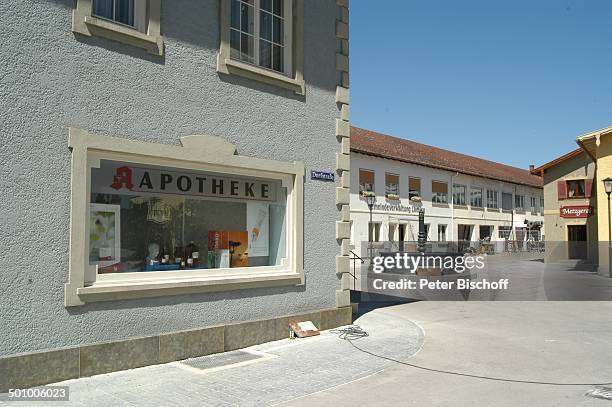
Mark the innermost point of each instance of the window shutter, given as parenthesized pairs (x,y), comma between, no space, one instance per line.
(588,187)
(562,190)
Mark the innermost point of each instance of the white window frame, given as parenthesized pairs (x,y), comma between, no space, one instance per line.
(145,34)
(287,35)
(494,193)
(206,153)
(476,189)
(464,194)
(293,77)
(420,187)
(442,232)
(447,192)
(373,189)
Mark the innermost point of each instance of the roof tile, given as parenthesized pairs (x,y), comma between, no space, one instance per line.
(384,146)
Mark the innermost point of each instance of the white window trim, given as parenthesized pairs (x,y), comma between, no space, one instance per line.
(85,23)
(294,80)
(207,153)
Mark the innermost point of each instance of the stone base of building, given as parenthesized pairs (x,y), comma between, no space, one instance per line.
(39,368)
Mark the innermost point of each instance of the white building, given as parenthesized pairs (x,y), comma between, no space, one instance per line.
(465,198)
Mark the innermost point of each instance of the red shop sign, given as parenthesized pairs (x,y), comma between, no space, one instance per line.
(578,211)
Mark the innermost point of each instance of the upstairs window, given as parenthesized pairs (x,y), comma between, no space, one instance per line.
(476,197)
(366,181)
(131,13)
(492,199)
(576,188)
(414,187)
(260,33)
(534,204)
(459,194)
(506,201)
(392,186)
(519,202)
(439,192)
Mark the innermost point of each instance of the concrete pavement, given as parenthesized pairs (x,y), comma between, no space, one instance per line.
(564,342)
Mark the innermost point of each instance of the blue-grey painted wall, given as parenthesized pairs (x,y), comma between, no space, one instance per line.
(51,79)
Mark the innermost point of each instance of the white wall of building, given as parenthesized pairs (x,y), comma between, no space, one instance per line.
(435,214)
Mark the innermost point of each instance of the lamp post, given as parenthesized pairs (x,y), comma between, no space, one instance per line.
(608,188)
(370,199)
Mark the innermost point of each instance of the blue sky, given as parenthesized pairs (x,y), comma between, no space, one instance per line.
(513,81)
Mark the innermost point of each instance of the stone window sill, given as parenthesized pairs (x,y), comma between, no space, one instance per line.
(477,208)
(156,287)
(439,205)
(464,207)
(153,44)
(233,67)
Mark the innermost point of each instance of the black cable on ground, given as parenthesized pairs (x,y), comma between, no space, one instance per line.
(353,332)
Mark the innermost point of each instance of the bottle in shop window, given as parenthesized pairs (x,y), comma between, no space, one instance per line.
(192,255)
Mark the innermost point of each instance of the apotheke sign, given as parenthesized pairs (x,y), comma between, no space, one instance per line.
(119,178)
(578,211)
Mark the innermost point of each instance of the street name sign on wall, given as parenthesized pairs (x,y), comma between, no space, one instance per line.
(576,211)
(322,175)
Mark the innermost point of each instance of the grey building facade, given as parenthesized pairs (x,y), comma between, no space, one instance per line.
(87,88)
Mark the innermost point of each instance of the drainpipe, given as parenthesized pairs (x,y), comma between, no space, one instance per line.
(452,205)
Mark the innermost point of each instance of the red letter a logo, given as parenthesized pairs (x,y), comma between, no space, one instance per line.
(123,178)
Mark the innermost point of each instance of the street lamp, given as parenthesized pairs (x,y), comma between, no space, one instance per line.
(608,188)
(370,198)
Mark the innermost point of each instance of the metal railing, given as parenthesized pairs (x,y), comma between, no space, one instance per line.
(354,258)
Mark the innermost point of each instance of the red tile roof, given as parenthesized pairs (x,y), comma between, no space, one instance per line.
(384,146)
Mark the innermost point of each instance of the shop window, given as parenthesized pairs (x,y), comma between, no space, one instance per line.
(504,232)
(262,39)
(486,232)
(441,233)
(492,199)
(133,22)
(414,187)
(439,192)
(392,186)
(476,197)
(152,218)
(160,220)
(459,194)
(506,201)
(366,181)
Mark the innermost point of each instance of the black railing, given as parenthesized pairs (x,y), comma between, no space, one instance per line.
(354,258)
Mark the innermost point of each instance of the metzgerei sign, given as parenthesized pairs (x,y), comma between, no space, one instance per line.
(577,211)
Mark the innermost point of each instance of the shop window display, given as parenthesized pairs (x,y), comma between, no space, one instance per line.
(152,218)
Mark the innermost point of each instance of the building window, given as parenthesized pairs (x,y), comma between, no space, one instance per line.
(134,22)
(504,232)
(392,186)
(492,199)
(519,202)
(506,201)
(441,233)
(439,192)
(458,194)
(374,232)
(153,218)
(575,188)
(129,12)
(542,204)
(534,204)
(476,197)
(486,232)
(366,181)
(414,187)
(260,33)
(157,225)
(260,40)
